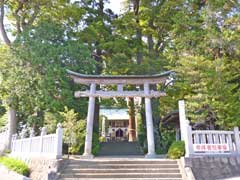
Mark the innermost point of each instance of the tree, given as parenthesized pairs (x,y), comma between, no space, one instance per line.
(39,83)
(74,131)
(204,54)
(21,16)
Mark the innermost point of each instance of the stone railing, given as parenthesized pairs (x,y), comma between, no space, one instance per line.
(212,142)
(207,142)
(44,145)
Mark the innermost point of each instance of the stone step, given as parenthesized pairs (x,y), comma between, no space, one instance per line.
(114,171)
(120,148)
(101,162)
(121,178)
(122,175)
(120,166)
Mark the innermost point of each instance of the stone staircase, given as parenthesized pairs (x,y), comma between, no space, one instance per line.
(121,168)
(119,148)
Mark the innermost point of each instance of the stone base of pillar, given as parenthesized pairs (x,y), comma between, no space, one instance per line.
(87,156)
(58,156)
(150,156)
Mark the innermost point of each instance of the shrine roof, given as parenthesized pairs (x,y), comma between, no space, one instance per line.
(119,79)
(114,113)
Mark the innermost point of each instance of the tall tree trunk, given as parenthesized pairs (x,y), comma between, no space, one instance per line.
(155,101)
(2,27)
(99,69)
(12,118)
(132,123)
(12,125)
(139,53)
(150,40)
(97,104)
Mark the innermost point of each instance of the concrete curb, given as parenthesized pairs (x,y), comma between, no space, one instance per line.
(187,170)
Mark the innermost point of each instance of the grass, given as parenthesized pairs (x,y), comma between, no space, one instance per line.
(15,165)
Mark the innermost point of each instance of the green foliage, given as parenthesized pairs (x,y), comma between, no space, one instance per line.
(200,41)
(2,109)
(33,72)
(3,120)
(204,55)
(176,150)
(204,100)
(51,120)
(141,131)
(95,143)
(167,138)
(15,165)
(74,131)
(35,11)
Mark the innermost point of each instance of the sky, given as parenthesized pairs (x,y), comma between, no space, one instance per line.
(115,5)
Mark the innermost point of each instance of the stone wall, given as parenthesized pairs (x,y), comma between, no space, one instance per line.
(41,167)
(213,168)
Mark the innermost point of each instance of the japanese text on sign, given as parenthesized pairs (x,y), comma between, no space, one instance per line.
(210,147)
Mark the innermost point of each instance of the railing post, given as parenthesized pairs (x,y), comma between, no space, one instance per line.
(237,139)
(182,119)
(188,140)
(31,135)
(58,141)
(43,133)
(13,143)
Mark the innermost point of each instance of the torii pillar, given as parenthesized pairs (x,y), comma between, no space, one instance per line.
(149,122)
(90,118)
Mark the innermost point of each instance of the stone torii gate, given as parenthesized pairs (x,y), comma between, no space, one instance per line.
(120,81)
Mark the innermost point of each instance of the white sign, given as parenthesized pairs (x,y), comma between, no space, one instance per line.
(210,147)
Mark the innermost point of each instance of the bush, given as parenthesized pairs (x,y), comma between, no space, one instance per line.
(176,150)
(102,139)
(15,165)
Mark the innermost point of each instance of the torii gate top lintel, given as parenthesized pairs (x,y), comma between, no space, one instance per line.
(119,79)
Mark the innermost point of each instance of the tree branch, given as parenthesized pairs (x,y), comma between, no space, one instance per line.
(136,4)
(20,6)
(34,16)
(2,27)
